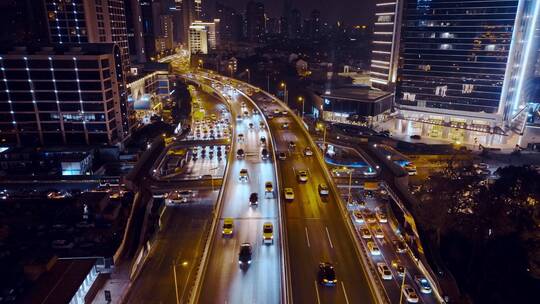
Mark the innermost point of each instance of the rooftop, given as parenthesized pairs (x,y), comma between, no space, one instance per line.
(360,93)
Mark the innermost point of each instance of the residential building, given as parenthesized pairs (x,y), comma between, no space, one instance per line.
(166,30)
(63,94)
(204,36)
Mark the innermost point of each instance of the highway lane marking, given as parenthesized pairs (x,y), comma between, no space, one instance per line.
(329,239)
(234,250)
(344,292)
(307,237)
(317,291)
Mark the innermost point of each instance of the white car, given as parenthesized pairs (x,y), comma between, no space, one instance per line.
(268,233)
(308,151)
(373,249)
(282,156)
(378,231)
(302,176)
(277,112)
(243,175)
(410,294)
(384,271)
(358,217)
(381,216)
(323,189)
(289,194)
(365,233)
(268,187)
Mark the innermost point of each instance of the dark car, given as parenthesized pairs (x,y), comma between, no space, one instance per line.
(254,198)
(244,257)
(264,153)
(327,274)
(416,137)
(240,153)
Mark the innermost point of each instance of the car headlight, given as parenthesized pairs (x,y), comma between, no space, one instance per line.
(325,280)
(240,262)
(249,262)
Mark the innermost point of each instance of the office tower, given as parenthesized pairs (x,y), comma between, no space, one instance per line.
(230,23)
(80,21)
(135,30)
(66,94)
(148,35)
(176,11)
(462,66)
(255,21)
(295,24)
(385,49)
(286,19)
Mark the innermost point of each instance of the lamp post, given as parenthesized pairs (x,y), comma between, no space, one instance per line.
(175,284)
(200,63)
(350,185)
(285,92)
(301,99)
(231,70)
(249,75)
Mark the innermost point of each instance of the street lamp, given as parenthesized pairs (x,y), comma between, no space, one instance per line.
(231,69)
(350,185)
(301,99)
(285,92)
(200,63)
(249,75)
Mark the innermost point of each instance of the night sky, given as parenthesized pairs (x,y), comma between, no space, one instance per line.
(350,11)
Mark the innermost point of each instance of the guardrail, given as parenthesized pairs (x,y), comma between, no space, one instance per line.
(374,291)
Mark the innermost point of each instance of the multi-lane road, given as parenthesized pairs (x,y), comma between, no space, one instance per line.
(224,281)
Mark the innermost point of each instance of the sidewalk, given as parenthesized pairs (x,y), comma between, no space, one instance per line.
(118,284)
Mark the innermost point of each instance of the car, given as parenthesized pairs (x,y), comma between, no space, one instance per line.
(240,154)
(373,248)
(254,198)
(410,294)
(178,197)
(262,125)
(244,256)
(377,230)
(323,189)
(268,187)
(401,247)
(358,216)
(277,112)
(228,227)
(246,113)
(263,140)
(327,274)
(361,203)
(282,156)
(384,271)
(264,154)
(289,194)
(284,112)
(244,175)
(381,216)
(368,194)
(370,216)
(240,137)
(302,176)
(268,233)
(416,136)
(251,125)
(285,126)
(398,267)
(270,116)
(292,145)
(308,151)
(423,284)
(365,233)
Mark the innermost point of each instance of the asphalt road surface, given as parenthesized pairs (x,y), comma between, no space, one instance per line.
(224,281)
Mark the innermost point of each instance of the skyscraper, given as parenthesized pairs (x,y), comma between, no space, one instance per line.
(80,21)
(461,67)
(255,21)
(135,30)
(295,24)
(230,23)
(192,11)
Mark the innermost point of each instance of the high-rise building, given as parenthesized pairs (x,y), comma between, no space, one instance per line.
(148,29)
(255,21)
(385,49)
(459,68)
(80,21)
(192,11)
(295,24)
(63,94)
(315,23)
(135,30)
(230,23)
(166,30)
(14,20)
(204,36)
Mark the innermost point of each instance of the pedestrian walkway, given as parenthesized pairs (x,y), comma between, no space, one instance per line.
(118,284)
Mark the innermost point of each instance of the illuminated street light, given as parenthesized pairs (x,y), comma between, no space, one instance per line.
(285,92)
(249,75)
(301,99)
